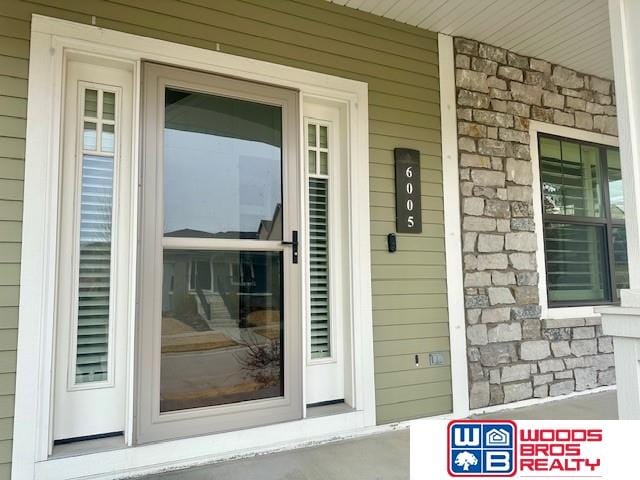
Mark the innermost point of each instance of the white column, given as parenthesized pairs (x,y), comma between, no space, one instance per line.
(623,323)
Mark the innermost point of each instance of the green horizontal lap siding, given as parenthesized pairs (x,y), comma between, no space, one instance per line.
(398,62)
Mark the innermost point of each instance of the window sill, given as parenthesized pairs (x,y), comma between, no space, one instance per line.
(570,312)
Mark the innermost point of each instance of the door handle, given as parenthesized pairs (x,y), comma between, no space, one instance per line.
(294,246)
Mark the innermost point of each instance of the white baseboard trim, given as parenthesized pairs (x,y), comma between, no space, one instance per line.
(532,402)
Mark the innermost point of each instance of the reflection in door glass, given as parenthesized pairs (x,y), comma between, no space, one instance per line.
(222,328)
(222,167)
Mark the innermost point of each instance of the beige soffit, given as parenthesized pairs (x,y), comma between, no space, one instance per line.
(572,33)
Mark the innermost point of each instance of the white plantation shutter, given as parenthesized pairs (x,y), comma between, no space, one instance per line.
(320,311)
(319,268)
(96,204)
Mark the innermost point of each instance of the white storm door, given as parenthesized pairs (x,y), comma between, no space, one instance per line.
(220,328)
(93,259)
(327,229)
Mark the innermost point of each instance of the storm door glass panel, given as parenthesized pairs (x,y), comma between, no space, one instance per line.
(222,167)
(222,316)
(576,262)
(94,270)
(225,346)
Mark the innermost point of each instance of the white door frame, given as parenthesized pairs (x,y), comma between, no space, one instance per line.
(50,40)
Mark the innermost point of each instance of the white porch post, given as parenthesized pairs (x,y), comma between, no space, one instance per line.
(623,322)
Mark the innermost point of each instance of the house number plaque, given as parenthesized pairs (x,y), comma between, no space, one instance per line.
(408,207)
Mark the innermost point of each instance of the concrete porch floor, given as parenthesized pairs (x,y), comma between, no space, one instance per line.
(378,457)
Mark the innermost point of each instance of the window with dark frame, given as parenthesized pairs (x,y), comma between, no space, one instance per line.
(583,215)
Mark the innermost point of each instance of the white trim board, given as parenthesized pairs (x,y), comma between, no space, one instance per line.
(452,229)
(50,40)
(535,128)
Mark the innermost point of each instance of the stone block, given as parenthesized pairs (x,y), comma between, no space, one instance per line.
(522,312)
(503,225)
(521,241)
(497,208)
(476,301)
(521,209)
(502,279)
(466,189)
(519,171)
(468,47)
(488,146)
(473,99)
(540,65)
(496,83)
(472,129)
(487,178)
(529,94)
(479,224)
(487,192)
(542,114)
(519,193)
(600,362)
(472,160)
(517,391)
(605,124)
(552,100)
(576,103)
(492,53)
(526,278)
(466,144)
(510,135)
(496,395)
(463,61)
(473,315)
(484,65)
(542,379)
(607,377)
(534,350)
(495,354)
(498,105)
(500,296)
(605,345)
(490,243)
(473,353)
(492,261)
(505,332)
(518,61)
(477,279)
(523,224)
(469,241)
(576,362)
(541,391)
(494,376)
(583,332)
(479,394)
(563,322)
(496,315)
(564,77)
(519,109)
(521,123)
(584,120)
(523,152)
(563,375)
(585,378)
(593,321)
(523,261)
(600,85)
(477,334)
(514,373)
(563,387)
(563,118)
(476,372)
(470,80)
(560,349)
(557,333)
(551,365)
(584,347)
(531,329)
(473,206)
(510,73)
(526,295)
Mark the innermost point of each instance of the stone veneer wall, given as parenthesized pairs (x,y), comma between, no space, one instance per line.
(513,354)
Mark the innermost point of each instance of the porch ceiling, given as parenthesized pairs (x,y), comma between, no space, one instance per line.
(573,33)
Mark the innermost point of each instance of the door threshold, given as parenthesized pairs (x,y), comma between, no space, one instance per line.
(87,445)
(328,408)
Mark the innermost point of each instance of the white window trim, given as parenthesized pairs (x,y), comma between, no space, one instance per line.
(50,38)
(535,128)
